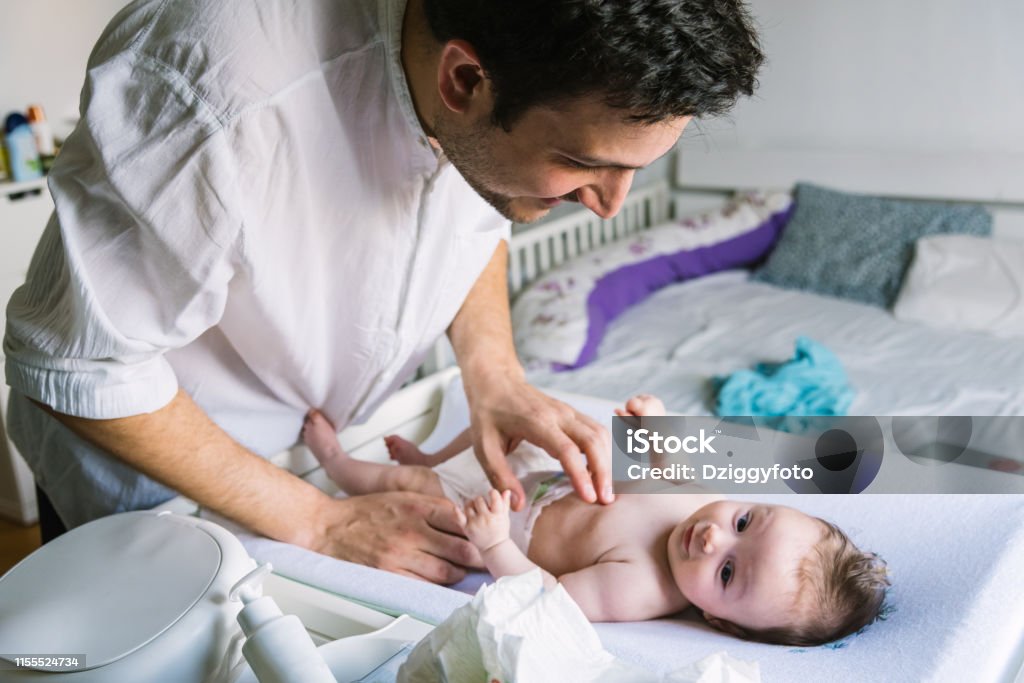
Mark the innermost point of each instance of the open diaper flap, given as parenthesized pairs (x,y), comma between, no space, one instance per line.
(515,630)
(956,562)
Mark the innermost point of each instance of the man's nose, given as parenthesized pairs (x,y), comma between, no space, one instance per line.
(605,196)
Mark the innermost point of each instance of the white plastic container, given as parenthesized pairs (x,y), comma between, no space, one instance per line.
(136,597)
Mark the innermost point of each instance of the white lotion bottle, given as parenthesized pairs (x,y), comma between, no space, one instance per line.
(277,647)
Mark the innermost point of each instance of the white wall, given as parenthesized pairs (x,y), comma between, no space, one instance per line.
(907,75)
(44,47)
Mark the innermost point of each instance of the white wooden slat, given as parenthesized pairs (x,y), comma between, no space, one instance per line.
(543,256)
(515,269)
(530,266)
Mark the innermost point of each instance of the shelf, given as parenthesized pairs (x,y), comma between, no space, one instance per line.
(9,188)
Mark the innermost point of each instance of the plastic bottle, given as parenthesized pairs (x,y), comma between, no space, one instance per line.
(22,154)
(277,647)
(43,134)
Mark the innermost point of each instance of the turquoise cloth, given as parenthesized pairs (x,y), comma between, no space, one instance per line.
(812,383)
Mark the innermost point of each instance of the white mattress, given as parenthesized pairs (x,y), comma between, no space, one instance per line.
(956,562)
(671,344)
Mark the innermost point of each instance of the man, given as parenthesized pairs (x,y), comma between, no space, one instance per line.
(257,215)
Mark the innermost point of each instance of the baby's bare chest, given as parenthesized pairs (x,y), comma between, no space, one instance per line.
(571,534)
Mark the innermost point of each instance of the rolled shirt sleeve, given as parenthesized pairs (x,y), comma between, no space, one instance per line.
(139,253)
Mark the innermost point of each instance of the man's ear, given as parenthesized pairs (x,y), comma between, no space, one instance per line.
(725,626)
(460,77)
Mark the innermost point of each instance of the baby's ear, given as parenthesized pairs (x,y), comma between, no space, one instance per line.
(725,626)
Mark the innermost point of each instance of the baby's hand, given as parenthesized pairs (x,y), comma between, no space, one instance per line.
(486,519)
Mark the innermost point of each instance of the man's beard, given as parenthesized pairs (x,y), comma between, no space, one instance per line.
(471,158)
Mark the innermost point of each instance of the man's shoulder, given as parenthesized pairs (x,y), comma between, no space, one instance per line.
(238,53)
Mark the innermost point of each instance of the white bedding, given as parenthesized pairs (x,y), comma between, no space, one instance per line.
(956,564)
(671,344)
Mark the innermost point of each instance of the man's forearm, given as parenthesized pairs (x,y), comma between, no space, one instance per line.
(481,332)
(181,447)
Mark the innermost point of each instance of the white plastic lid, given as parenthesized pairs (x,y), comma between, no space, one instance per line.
(106,588)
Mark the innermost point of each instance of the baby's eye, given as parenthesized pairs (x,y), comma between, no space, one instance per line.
(726,573)
(742,522)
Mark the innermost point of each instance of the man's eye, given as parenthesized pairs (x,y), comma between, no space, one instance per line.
(742,522)
(726,573)
(575,164)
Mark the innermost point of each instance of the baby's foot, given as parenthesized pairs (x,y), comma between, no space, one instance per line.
(642,405)
(405,452)
(319,434)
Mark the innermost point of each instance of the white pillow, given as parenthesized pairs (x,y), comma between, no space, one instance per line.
(963,282)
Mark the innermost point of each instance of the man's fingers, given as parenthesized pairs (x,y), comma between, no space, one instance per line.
(449,549)
(583,434)
(426,567)
(444,535)
(492,458)
(595,443)
(443,515)
(565,451)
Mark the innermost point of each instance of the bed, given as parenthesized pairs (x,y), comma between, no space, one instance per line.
(957,612)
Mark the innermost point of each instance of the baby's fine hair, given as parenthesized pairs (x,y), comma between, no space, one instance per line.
(842,590)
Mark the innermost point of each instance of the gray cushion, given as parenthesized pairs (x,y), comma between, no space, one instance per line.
(859,247)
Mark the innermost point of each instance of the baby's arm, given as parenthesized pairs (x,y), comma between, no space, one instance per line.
(616,591)
(487,527)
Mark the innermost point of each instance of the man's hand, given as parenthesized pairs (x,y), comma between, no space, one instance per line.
(403,532)
(178,445)
(506,409)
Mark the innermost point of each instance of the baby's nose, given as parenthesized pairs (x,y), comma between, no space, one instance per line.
(710,537)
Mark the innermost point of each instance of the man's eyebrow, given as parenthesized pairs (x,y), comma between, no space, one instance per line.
(587,160)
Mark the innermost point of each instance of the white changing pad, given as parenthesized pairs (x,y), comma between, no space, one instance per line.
(956,563)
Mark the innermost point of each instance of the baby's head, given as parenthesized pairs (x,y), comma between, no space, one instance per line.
(774,574)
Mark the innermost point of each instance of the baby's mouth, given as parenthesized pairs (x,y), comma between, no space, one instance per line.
(687,537)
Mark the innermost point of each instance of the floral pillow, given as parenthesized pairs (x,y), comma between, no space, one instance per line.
(561,318)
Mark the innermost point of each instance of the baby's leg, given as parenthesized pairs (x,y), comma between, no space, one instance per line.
(642,405)
(357,477)
(407,453)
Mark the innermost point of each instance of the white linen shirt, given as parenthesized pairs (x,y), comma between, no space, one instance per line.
(250,210)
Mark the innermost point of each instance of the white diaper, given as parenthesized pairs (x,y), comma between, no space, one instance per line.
(544,482)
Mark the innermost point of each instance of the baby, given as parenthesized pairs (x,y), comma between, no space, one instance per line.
(760,572)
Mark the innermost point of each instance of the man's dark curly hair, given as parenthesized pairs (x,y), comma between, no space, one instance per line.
(654,59)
